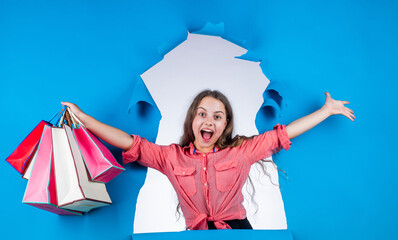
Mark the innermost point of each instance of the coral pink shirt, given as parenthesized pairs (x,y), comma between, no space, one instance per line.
(209,186)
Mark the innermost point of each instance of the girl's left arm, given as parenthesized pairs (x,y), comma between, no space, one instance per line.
(331,107)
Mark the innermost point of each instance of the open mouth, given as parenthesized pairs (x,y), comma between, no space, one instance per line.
(206,134)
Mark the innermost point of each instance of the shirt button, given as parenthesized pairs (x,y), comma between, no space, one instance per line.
(203,154)
(183,173)
(205,184)
(204,168)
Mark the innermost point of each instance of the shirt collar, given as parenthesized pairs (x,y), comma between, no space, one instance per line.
(192,149)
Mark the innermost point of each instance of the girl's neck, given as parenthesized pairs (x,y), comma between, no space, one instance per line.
(204,150)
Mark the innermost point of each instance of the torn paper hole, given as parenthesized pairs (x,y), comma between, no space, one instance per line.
(203,62)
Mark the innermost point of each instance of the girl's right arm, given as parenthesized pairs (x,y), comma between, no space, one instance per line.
(109,134)
(331,107)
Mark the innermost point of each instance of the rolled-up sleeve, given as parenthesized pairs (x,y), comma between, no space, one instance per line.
(283,137)
(146,153)
(266,144)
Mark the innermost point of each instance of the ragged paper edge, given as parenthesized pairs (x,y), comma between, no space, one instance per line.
(142,103)
(272,108)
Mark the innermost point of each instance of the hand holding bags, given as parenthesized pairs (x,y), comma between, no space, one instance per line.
(58,178)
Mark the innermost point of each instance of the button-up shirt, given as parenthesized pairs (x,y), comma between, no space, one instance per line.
(208,185)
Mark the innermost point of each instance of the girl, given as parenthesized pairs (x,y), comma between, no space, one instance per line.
(209,167)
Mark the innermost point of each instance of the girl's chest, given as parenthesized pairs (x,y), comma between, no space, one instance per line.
(215,170)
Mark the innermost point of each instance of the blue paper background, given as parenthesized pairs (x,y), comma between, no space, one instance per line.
(342,181)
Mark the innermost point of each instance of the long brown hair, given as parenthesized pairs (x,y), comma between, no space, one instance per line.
(225,140)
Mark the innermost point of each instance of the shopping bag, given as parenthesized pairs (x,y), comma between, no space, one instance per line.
(41,189)
(75,191)
(29,165)
(23,154)
(101,164)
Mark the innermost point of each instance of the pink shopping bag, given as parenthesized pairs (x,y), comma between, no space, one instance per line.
(100,162)
(41,189)
(75,190)
(24,153)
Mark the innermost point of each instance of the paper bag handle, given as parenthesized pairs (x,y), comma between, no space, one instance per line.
(65,119)
(57,117)
(68,119)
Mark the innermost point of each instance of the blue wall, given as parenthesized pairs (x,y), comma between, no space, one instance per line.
(341,174)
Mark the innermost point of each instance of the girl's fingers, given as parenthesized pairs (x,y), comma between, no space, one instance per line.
(349,110)
(66,104)
(351,116)
(75,109)
(348,114)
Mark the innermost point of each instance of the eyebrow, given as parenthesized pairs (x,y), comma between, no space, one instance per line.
(214,112)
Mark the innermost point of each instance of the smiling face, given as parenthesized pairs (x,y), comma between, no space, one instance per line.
(209,123)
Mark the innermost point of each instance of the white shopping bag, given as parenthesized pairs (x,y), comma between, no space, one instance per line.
(75,191)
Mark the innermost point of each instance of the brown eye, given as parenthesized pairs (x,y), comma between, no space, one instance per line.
(217,117)
(202,114)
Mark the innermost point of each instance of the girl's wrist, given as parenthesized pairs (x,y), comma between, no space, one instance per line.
(84,118)
(326,110)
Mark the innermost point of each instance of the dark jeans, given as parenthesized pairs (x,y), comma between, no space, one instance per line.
(234,224)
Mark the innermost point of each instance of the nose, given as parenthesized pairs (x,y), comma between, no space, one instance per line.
(209,122)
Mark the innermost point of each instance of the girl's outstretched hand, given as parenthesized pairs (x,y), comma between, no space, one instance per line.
(331,107)
(335,107)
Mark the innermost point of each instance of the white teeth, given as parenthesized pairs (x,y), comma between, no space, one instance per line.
(207,130)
